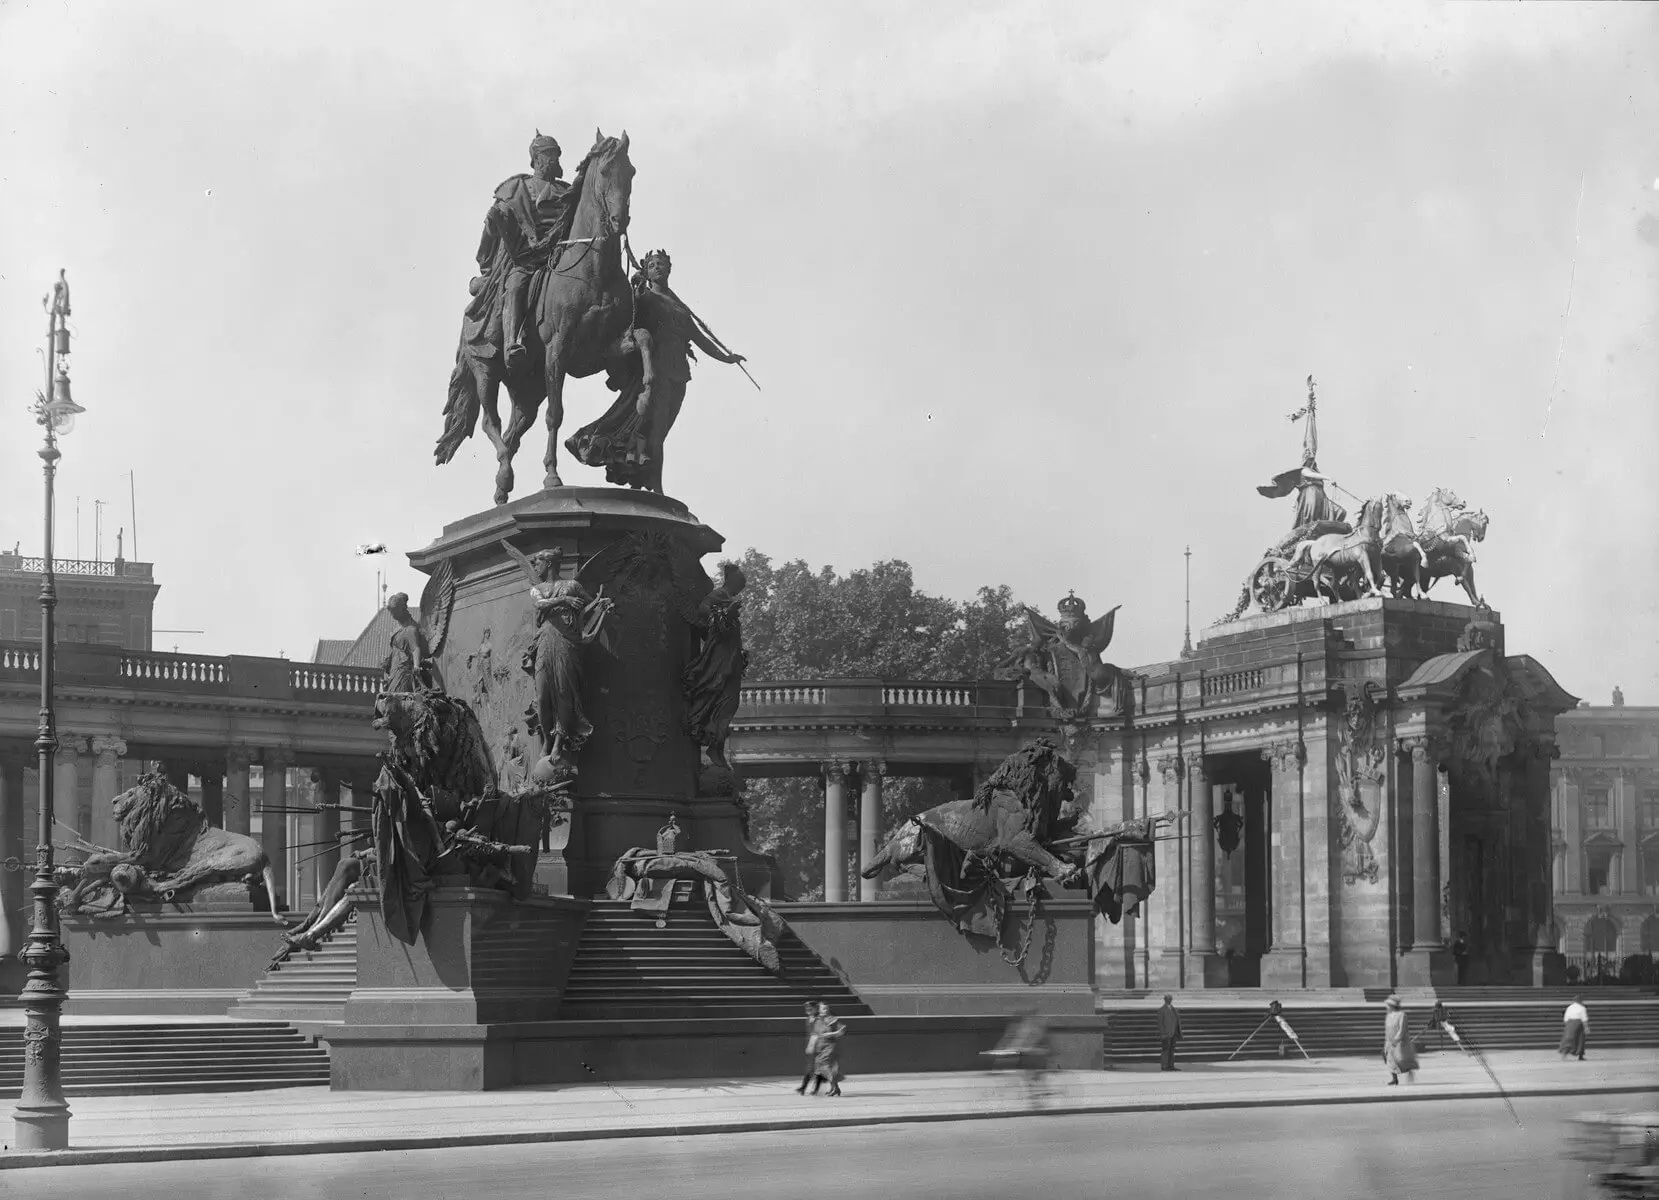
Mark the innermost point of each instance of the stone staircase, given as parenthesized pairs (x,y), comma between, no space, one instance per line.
(1211,1034)
(629,968)
(114,1059)
(312,985)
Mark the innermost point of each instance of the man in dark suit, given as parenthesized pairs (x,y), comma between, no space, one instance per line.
(1169,1032)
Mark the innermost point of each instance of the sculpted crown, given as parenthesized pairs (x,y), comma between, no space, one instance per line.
(1072,606)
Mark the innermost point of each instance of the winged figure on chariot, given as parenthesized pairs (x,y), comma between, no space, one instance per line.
(1325,556)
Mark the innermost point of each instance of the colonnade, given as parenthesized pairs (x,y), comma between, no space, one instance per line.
(304,848)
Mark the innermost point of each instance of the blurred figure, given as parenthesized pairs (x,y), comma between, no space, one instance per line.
(1025,1048)
(1575,1027)
(1397,1049)
(1169,1032)
(1460,956)
(1439,1021)
(811,1046)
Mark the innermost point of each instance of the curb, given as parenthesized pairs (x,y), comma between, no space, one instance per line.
(204,1151)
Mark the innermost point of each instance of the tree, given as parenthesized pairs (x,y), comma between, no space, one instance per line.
(873,623)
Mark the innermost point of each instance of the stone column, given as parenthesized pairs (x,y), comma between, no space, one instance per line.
(1629,833)
(1207,970)
(1428,962)
(15,857)
(1167,903)
(275,824)
(327,825)
(1572,833)
(237,804)
(835,831)
(1285,963)
(869,826)
(106,785)
(66,797)
(213,795)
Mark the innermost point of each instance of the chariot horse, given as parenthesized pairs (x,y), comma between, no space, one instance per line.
(583,309)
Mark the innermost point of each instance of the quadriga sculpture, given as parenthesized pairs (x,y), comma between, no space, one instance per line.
(172,853)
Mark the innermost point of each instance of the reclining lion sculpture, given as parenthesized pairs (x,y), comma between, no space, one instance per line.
(171,853)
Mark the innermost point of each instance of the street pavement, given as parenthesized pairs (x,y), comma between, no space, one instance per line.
(1468,1148)
(303,1121)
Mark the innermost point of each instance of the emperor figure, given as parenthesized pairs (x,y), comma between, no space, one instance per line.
(529,217)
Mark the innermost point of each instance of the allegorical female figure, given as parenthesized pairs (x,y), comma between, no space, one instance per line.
(650,384)
(568,619)
(715,675)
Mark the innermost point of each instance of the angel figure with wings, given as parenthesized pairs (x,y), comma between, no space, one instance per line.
(411,664)
(1064,661)
(568,620)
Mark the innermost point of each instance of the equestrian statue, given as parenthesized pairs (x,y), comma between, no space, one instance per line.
(553,301)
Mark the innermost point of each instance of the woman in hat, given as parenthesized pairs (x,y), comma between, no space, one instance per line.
(1397,1049)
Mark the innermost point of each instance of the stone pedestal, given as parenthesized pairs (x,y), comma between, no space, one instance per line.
(1207,969)
(640,765)
(1285,967)
(481,958)
(1427,967)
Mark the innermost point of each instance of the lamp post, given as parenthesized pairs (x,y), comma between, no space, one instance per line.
(41,1119)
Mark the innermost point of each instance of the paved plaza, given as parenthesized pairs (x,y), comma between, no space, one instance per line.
(1463,1148)
(299,1121)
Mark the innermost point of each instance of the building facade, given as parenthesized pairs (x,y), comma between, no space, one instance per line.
(1605,833)
(107,603)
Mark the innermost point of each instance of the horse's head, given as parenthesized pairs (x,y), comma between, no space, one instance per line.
(1370,516)
(607,176)
(1473,524)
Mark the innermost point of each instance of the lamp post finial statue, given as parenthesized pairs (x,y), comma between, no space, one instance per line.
(41,1119)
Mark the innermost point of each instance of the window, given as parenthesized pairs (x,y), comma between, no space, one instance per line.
(1650,870)
(1650,809)
(1598,808)
(1598,865)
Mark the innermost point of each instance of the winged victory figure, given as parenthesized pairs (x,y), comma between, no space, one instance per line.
(1064,661)
(411,664)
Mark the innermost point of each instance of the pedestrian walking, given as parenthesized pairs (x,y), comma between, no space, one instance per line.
(827,1033)
(1397,1050)
(811,1045)
(1025,1048)
(1169,1032)
(1575,1028)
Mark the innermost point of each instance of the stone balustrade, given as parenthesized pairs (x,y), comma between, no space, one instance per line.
(83,665)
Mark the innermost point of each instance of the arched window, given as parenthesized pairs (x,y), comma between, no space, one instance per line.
(1601,936)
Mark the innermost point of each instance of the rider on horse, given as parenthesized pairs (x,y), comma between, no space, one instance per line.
(530,216)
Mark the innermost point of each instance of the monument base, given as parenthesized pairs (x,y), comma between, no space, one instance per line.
(1430,966)
(481,957)
(903,956)
(487,1057)
(1207,969)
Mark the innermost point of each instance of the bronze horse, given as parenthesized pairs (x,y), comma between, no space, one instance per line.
(583,310)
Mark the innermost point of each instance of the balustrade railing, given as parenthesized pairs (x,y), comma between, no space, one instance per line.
(107,568)
(767,695)
(19,658)
(933,695)
(1234,681)
(356,681)
(174,668)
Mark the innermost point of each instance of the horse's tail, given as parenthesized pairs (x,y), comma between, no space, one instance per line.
(461,408)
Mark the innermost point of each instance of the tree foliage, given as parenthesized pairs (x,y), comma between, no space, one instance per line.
(871,624)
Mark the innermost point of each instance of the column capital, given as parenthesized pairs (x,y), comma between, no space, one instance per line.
(1423,749)
(238,758)
(1195,766)
(1142,770)
(835,772)
(873,768)
(108,749)
(278,758)
(1169,766)
(1286,755)
(71,743)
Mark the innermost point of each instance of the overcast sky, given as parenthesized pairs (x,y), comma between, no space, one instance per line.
(1030,288)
